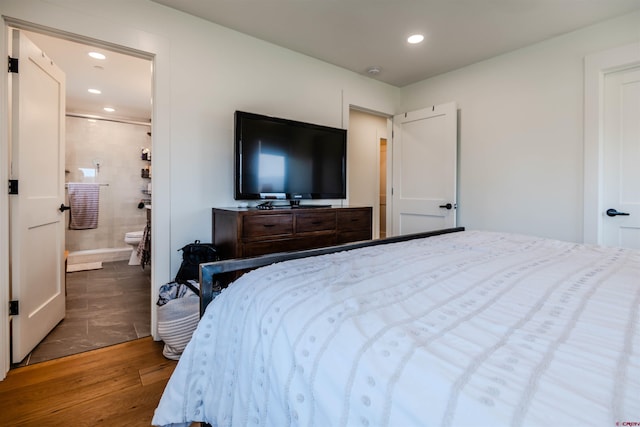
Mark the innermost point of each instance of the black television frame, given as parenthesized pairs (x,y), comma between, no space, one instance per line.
(241,194)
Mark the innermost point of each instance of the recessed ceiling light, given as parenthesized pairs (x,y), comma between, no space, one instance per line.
(415,38)
(97,55)
(109,109)
(95,91)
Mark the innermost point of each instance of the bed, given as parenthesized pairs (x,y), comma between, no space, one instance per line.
(463,328)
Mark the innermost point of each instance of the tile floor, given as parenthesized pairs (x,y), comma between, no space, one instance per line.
(104,307)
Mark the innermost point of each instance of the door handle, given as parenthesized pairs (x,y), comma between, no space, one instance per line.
(613,212)
(447,206)
(63,208)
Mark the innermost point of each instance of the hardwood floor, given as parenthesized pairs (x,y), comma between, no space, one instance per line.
(118,385)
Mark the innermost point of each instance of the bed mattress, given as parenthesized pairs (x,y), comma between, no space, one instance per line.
(463,329)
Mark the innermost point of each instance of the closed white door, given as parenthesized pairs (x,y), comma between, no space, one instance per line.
(424,169)
(621,159)
(37,96)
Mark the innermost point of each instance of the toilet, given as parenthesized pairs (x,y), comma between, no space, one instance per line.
(133,238)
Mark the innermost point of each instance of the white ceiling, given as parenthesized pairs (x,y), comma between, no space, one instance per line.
(353,34)
(359,34)
(125,81)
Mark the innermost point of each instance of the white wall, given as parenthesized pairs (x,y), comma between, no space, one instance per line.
(242,73)
(521,131)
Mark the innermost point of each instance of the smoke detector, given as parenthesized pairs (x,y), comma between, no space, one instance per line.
(373,71)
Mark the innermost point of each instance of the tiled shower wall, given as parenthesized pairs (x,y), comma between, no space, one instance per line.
(109,153)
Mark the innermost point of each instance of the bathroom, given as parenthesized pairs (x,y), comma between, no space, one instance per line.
(107,142)
(117,156)
(107,295)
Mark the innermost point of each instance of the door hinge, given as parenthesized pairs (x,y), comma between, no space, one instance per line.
(13,186)
(13,65)
(13,308)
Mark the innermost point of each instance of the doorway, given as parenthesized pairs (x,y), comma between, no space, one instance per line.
(621,157)
(425,169)
(111,149)
(366,131)
(383,188)
(597,67)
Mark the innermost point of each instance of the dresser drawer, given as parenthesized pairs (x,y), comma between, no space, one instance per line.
(286,245)
(356,219)
(353,236)
(255,227)
(315,221)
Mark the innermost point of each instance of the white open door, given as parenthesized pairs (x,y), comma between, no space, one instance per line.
(37,97)
(424,169)
(621,159)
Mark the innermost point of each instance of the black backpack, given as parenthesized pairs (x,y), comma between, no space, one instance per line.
(193,255)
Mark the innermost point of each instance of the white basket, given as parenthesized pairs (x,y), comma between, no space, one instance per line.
(177,320)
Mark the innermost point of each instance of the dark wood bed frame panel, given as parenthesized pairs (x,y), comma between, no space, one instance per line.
(216,272)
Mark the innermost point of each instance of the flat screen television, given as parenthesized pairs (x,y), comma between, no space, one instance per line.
(285,159)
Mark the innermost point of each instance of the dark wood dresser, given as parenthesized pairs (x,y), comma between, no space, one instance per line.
(246,232)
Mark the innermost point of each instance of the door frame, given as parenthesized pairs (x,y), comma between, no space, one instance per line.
(376,207)
(596,67)
(375,191)
(125,40)
(387,183)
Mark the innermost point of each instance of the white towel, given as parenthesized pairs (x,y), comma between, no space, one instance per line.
(84,203)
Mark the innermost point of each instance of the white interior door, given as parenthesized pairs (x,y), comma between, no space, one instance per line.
(424,169)
(37,96)
(621,159)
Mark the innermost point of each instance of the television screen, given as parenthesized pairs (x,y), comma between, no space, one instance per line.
(285,159)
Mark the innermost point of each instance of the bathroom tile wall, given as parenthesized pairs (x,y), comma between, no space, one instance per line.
(108,152)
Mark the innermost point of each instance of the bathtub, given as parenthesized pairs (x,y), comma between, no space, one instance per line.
(99,255)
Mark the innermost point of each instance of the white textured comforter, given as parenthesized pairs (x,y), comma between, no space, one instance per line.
(464,329)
